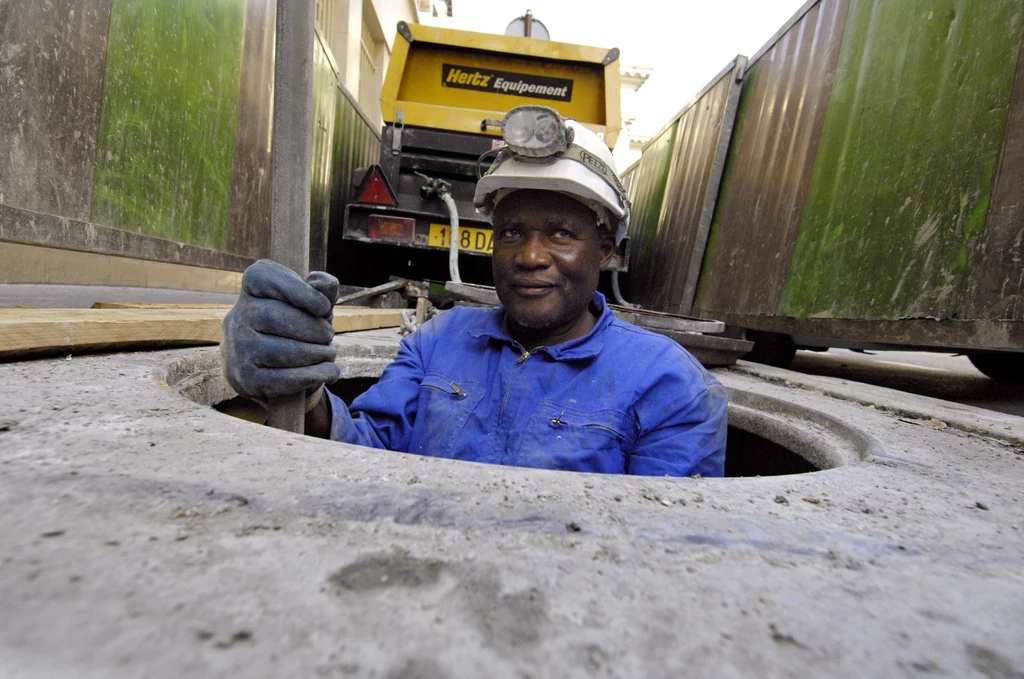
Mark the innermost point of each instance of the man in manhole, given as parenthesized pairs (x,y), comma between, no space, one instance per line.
(552,379)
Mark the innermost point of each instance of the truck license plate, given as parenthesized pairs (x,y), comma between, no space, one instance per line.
(470,239)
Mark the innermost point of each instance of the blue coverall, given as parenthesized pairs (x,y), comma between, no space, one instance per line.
(620,399)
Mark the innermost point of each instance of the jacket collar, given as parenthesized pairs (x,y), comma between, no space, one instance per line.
(581,348)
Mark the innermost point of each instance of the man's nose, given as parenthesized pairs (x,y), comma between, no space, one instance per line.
(533,253)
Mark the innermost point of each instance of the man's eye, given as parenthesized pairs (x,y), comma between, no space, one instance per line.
(508,232)
(563,234)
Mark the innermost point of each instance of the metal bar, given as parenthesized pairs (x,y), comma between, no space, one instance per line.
(291,158)
(700,240)
(371,292)
(481,294)
(662,322)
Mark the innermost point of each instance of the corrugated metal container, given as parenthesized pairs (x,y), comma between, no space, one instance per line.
(896,209)
(872,186)
(665,277)
(356,144)
(165,146)
(249,227)
(325,94)
(648,177)
(998,282)
(628,175)
(783,106)
(149,134)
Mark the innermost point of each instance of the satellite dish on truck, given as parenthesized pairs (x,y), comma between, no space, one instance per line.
(528,27)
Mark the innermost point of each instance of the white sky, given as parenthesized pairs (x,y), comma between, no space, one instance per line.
(687,42)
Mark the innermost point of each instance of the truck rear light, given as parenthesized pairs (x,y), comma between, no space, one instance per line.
(392,229)
(375,189)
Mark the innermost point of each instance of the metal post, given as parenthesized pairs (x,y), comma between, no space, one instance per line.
(291,158)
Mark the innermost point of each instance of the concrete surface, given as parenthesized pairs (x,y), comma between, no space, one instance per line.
(84,296)
(950,377)
(147,535)
(980,421)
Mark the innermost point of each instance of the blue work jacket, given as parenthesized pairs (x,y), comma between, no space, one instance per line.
(617,400)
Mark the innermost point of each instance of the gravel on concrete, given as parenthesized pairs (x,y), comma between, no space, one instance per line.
(148,535)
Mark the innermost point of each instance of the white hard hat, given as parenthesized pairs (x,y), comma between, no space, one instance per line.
(577,163)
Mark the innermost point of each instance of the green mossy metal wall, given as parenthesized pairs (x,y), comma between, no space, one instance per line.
(356,144)
(167,133)
(158,145)
(647,194)
(895,216)
(770,163)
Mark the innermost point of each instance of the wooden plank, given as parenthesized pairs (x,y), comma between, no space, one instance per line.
(34,332)
(355,318)
(157,305)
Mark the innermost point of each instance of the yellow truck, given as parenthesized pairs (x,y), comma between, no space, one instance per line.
(444,96)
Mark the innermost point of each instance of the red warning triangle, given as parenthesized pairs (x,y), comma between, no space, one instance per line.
(375,189)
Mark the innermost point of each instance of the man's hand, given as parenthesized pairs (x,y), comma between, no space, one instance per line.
(277,338)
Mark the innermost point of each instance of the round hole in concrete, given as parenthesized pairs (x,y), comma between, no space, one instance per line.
(767,436)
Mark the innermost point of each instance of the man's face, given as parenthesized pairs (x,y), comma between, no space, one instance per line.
(548,254)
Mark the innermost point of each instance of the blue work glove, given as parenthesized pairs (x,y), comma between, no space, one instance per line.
(277,337)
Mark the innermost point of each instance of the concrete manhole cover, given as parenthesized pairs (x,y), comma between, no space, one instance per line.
(767,436)
(149,534)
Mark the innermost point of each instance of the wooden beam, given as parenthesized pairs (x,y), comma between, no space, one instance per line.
(36,332)
(157,305)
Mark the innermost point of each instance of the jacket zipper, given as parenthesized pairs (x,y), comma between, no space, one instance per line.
(519,363)
(601,426)
(557,421)
(455,389)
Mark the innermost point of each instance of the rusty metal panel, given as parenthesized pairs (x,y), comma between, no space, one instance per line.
(51,79)
(999,276)
(771,159)
(325,93)
(249,225)
(704,126)
(895,214)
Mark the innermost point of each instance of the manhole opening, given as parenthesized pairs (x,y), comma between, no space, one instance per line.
(767,436)
(747,453)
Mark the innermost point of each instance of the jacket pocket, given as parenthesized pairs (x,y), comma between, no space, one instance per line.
(558,437)
(443,408)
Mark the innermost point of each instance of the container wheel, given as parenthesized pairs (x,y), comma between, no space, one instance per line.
(1002,366)
(771,348)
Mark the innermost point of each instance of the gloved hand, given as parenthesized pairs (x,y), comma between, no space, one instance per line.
(277,337)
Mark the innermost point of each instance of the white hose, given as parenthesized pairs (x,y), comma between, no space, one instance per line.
(618,294)
(453,243)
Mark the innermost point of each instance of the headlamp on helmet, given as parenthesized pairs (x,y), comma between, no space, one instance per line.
(535,132)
